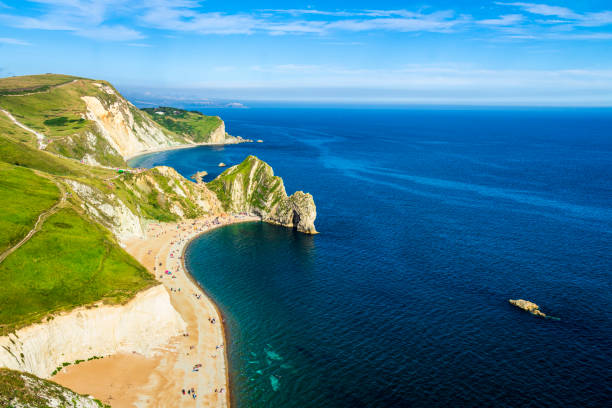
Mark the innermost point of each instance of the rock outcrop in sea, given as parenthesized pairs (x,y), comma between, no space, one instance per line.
(252,187)
(527,306)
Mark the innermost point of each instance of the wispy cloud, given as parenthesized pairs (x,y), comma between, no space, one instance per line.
(13,41)
(84,18)
(139,45)
(131,21)
(505,20)
(565,15)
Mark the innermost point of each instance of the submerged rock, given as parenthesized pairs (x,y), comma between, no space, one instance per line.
(527,306)
(252,187)
(199,176)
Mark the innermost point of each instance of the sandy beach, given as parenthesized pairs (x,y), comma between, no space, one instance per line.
(195,361)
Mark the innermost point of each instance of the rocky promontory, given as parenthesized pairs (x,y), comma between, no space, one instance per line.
(252,187)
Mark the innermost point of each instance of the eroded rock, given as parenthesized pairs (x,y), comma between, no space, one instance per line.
(252,187)
(527,306)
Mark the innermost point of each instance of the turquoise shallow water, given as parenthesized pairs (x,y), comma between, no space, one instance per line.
(430,221)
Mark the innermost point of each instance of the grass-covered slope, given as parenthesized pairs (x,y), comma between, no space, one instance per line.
(32,83)
(23,390)
(73,260)
(59,113)
(23,197)
(191,124)
(80,118)
(69,263)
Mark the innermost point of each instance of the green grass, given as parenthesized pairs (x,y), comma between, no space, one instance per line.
(32,83)
(15,391)
(11,131)
(25,155)
(267,189)
(23,196)
(71,262)
(191,124)
(42,111)
(58,114)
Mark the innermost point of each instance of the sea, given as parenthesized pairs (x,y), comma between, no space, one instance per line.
(430,220)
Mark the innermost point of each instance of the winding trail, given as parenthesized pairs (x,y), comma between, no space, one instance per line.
(39,222)
(46,91)
(39,136)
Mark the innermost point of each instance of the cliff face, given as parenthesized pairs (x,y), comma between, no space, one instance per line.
(127,130)
(125,202)
(88,120)
(146,323)
(252,187)
(193,126)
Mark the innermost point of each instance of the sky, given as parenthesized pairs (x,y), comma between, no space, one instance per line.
(465,52)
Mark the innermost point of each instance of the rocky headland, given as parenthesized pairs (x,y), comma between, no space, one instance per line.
(252,187)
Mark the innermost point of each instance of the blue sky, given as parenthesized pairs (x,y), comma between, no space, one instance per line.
(427,52)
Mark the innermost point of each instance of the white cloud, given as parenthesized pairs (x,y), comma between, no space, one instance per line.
(568,16)
(121,20)
(543,9)
(110,33)
(13,41)
(505,20)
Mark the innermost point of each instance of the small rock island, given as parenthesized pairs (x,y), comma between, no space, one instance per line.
(527,306)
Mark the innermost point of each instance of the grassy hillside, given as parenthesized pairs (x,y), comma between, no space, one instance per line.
(15,133)
(24,154)
(59,114)
(69,263)
(19,389)
(73,260)
(191,124)
(32,83)
(23,196)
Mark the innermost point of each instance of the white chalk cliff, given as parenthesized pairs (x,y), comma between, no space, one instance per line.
(125,128)
(143,325)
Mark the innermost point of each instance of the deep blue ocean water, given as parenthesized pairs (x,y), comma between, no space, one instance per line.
(430,221)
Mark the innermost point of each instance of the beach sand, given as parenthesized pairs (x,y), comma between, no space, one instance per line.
(131,380)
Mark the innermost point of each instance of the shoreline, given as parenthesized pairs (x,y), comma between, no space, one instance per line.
(212,302)
(179,147)
(131,380)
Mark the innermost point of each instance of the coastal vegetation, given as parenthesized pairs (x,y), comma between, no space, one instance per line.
(23,197)
(19,389)
(192,124)
(252,187)
(59,114)
(32,83)
(71,262)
